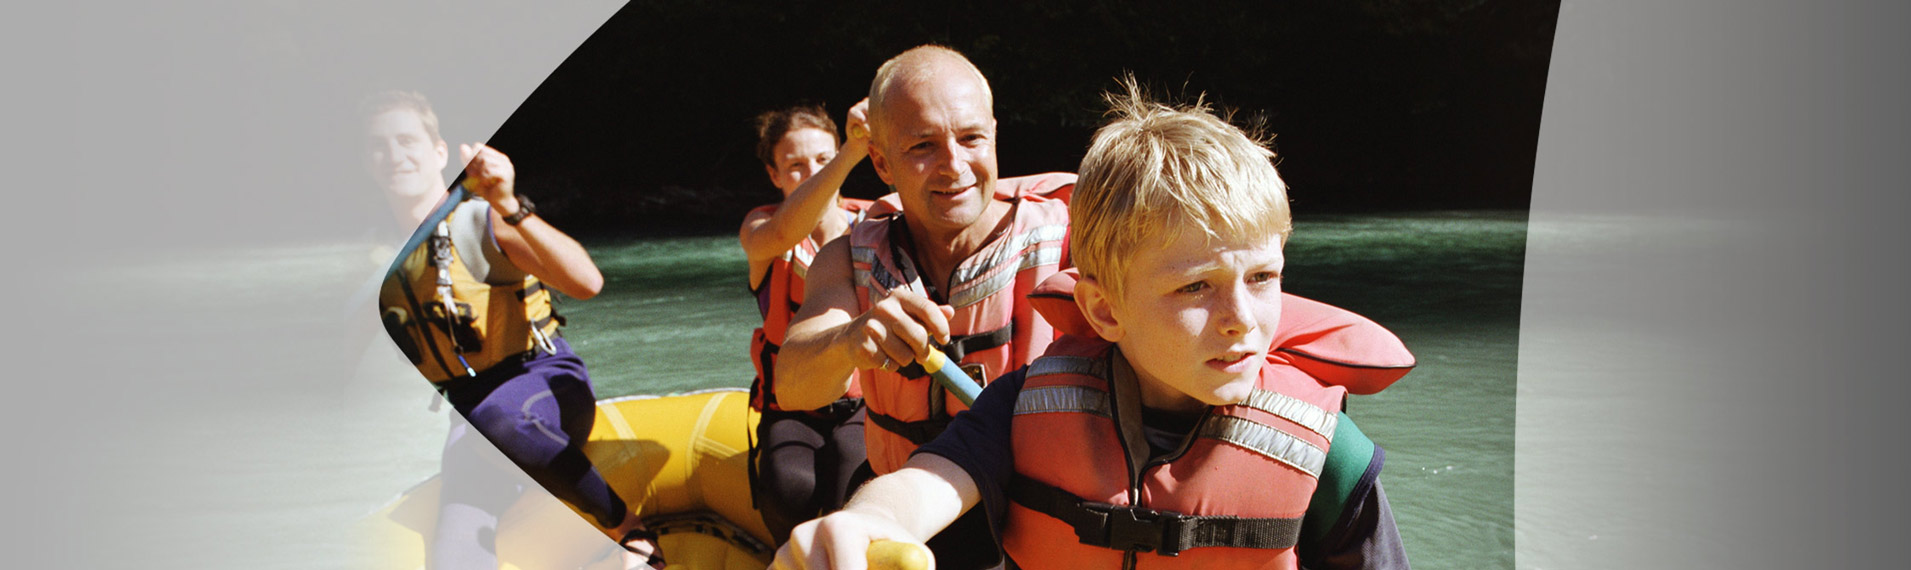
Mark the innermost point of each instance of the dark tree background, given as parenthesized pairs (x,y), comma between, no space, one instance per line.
(1377,104)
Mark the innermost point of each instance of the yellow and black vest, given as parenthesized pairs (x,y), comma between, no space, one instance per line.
(452,325)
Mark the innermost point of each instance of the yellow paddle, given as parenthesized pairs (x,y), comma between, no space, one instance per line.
(898,555)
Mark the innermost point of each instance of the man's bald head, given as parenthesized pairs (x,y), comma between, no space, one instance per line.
(910,69)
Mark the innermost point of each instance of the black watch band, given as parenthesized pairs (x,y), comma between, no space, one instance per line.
(525,209)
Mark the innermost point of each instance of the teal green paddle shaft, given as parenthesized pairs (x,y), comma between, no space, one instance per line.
(952,377)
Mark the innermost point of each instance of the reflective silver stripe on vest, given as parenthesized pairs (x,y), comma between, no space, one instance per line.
(1265,440)
(1082,365)
(978,282)
(860,257)
(1048,399)
(864,255)
(876,278)
(1295,410)
(800,260)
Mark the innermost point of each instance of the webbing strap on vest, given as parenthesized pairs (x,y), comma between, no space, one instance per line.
(530,290)
(1148,530)
(766,361)
(917,432)
(961,345)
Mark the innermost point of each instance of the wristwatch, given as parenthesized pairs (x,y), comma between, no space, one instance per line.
(525,209)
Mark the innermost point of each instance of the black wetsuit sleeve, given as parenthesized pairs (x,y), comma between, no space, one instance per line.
(1367,538)
(978,441)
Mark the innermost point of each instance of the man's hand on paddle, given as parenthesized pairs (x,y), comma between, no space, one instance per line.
(856,125)
(489,174)
(532,245)
(897,331)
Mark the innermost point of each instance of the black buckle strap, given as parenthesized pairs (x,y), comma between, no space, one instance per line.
(963,345)
(839,410)
(530,290)
(1141,529)
(1128,528)
(918,432)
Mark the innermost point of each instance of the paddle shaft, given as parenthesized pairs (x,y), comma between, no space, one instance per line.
(455,196)
(951,376)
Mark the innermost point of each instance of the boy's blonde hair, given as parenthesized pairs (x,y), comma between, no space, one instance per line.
(1157,170)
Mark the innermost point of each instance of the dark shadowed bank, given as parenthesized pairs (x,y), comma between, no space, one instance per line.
(1378,105)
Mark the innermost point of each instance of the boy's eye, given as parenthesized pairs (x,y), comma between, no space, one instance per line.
(1263,277)
(1192,287)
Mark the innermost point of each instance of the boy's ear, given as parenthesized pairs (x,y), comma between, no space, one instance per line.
(1099,308)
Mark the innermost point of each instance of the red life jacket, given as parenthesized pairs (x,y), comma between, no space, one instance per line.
(1232,496)
(778,298)
(994,329)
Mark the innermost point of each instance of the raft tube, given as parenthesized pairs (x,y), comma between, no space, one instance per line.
(680,461)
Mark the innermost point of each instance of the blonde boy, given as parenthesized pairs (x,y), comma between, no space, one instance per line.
(1172,436)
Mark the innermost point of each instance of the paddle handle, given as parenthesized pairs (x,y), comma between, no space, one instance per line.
(898,555)
(952,377)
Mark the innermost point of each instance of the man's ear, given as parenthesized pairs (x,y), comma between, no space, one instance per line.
(444,155)
(880,163)
(1099,308)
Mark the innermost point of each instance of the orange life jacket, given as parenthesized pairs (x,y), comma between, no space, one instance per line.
(450,324)
(779,296)
(994,329)
(1233,496)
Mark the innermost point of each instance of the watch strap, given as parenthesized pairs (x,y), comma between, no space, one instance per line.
(525,210)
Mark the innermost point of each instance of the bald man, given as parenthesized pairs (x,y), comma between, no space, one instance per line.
(950,272)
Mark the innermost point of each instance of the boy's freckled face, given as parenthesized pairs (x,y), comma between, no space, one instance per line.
(1195,318)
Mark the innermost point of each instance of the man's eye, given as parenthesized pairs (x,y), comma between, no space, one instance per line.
(1263,277)
(1192,287)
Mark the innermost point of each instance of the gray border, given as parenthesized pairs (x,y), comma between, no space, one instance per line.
(1711,294)
(186,399)
(1712,274)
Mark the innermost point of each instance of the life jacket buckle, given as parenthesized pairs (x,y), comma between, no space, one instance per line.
(1130,528)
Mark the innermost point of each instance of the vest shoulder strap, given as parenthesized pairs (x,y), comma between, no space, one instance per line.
(917,432)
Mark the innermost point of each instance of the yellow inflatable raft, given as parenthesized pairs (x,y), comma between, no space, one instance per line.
(681,461)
